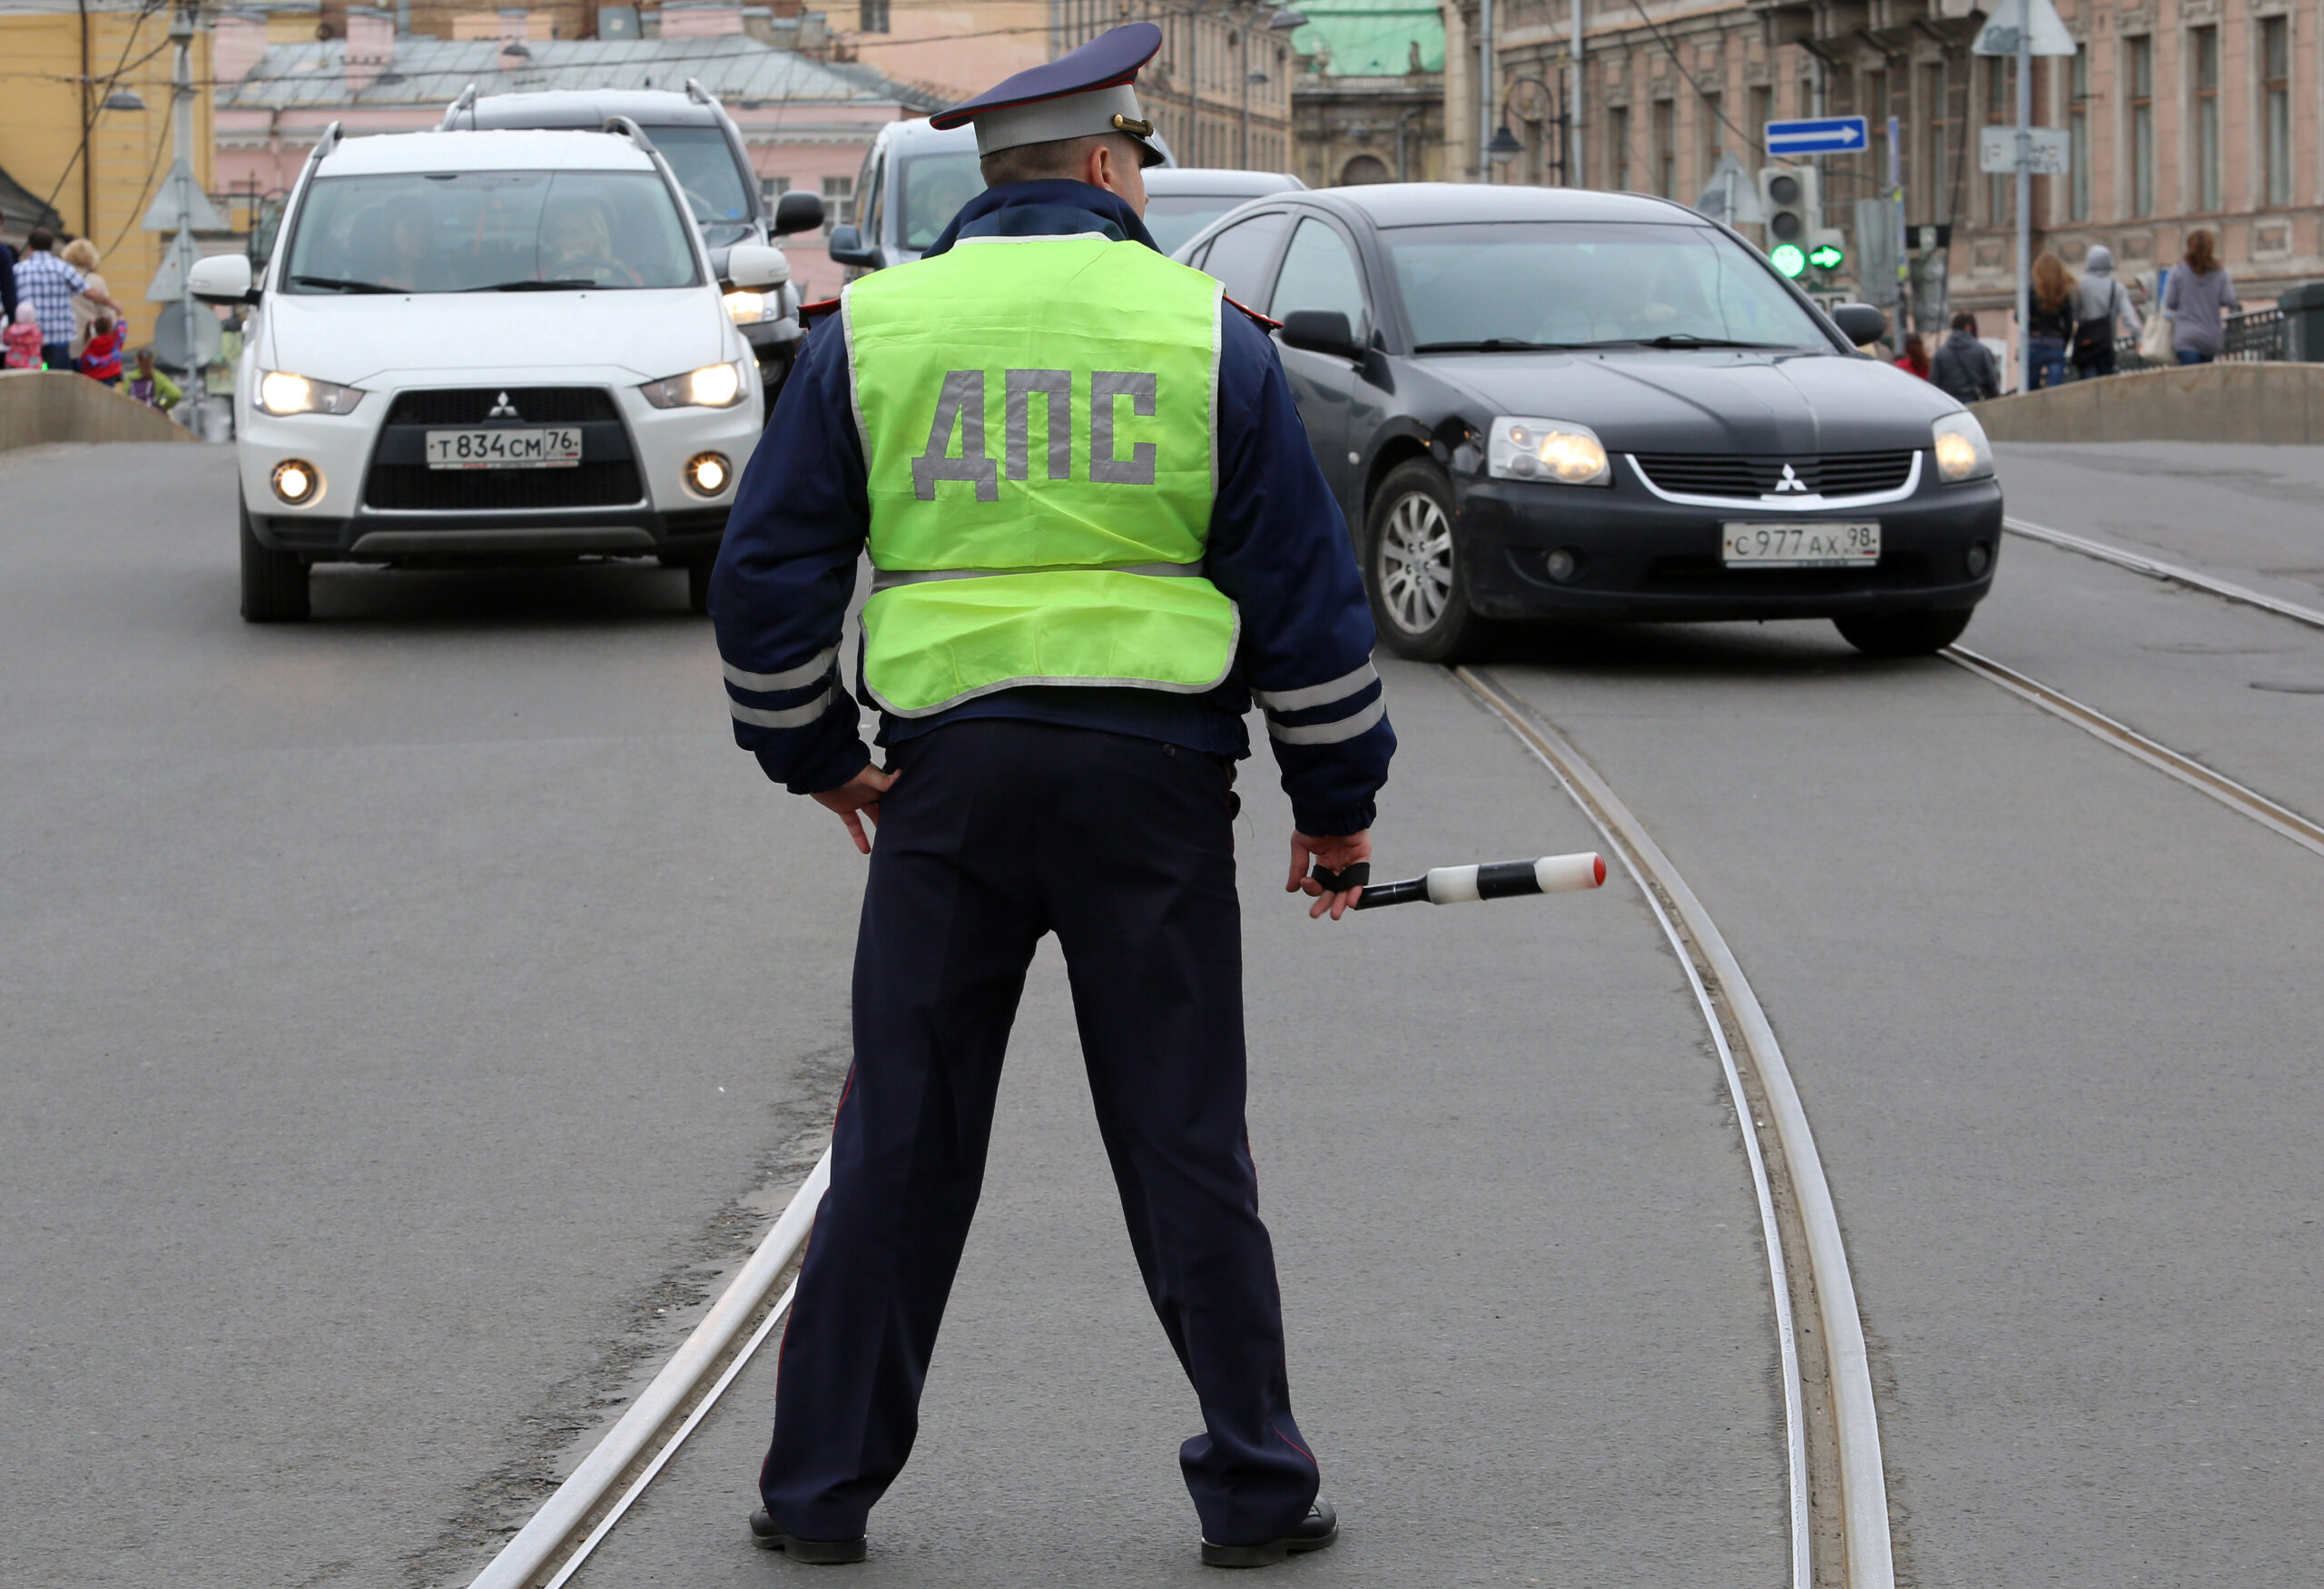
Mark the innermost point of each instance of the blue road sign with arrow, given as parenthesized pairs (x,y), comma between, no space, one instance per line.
(1818,135)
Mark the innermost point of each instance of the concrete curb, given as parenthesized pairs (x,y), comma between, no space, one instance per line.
(2275,403)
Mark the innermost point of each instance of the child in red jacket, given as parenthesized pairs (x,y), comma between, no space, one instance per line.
(101,359)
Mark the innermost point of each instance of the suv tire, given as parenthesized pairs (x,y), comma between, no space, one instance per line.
(274,584)
(1903,634)
(1415,570)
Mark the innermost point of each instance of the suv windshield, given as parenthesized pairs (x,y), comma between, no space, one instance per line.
(479,231)
(704,165)
(1584,284)
(934,188)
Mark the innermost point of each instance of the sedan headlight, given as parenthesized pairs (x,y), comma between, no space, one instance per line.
(281,392)
(1555,450)
(713,386)
(747,309)
(1963,453)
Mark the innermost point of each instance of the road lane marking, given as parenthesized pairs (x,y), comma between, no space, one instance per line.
(2171,573)
(586,1507)
(2237,797)
(1865,1557)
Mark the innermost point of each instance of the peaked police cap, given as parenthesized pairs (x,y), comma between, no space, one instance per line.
(1086,92)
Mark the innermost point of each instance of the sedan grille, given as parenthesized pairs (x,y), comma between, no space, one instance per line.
(1838,474)
(534,405)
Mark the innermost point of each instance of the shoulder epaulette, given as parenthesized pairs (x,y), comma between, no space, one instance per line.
(820,307)
(1260,320)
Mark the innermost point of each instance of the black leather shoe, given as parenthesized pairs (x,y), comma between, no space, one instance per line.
(816,1551)
(1320,1528)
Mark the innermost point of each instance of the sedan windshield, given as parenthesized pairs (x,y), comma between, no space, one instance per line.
(486,231)
(1588,284)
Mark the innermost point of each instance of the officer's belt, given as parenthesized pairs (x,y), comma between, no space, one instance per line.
(888,579)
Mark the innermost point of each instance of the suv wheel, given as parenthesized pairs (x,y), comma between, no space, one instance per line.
(1414,569)
(1903,634)
(274,584)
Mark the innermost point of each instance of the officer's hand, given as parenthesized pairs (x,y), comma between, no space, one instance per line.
(862,794)
(1334,853)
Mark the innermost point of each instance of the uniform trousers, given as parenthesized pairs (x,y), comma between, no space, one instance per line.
(996,832)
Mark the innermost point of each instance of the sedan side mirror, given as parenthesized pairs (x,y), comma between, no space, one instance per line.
(847,247)
(797,212)
(1859,322)
(753,266)
(222,279)
(1321,330)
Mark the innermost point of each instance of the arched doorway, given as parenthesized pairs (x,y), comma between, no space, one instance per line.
(1364,168)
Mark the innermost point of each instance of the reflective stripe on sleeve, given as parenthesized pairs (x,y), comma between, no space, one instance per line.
(1318,694)
(1332,733)
(790,679)
(789,717)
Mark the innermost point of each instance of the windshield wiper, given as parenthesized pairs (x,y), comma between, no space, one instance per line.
(1688,339)
(340,284)
(1497,345)
(565,286)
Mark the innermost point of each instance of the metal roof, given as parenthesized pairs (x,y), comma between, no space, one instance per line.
(1370,39)
(740,70)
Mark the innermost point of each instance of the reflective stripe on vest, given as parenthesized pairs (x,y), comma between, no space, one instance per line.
(1038,425)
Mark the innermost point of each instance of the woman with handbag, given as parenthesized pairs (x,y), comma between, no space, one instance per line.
(2100,304)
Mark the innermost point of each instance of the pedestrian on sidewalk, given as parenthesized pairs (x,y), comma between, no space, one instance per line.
(48,284)
(90,301)
(2100,304)
(1963,368)
(23,339)
(101,357)
(2196,298)
(1068,619)
(2049,323)
(151,385)
(1914,357)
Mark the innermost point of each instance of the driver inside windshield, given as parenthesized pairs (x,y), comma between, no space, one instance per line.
(403,246)
(579,243)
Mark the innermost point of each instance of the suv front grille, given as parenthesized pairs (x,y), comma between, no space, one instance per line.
(534,405)
(416,488)
(1839,474)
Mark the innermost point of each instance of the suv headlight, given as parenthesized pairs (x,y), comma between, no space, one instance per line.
(1963,453)
(281,392)
(747,309)
(1558,451)
(713,386)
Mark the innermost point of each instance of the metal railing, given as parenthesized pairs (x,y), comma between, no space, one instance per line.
(2256,336)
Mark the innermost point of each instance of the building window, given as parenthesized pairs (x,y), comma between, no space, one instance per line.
(772,188)
(1935,202)
(1876,100)
(871,15)
(1666,147)
(2202,87)
(837,191)
(2275,105)
(1714,133)
(2078,135)
(2001,187)
(2139,74)
(1618,148)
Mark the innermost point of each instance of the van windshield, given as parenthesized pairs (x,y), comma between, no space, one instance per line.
(488,230)
(935,187)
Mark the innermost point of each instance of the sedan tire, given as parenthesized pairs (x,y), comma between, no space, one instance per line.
(1414,569)
(274,584)
(1903,634)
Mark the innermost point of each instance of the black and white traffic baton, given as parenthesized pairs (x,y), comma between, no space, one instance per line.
(1446,885)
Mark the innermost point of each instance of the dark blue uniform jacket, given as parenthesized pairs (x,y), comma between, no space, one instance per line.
(1277,546)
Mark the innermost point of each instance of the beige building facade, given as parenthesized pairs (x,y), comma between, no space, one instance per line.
(1220,87)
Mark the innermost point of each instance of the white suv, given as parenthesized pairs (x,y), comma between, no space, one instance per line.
(487,347)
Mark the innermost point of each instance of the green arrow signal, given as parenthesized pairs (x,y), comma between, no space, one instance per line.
(1827,258)
(1788,258)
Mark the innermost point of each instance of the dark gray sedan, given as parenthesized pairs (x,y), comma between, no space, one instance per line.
(1551,403)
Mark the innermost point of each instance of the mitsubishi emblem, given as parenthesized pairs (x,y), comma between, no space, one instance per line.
(505,410)
(1791,481)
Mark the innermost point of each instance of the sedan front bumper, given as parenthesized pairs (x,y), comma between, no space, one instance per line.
(1638,556)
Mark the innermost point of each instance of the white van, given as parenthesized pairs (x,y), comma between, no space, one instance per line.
(487,347)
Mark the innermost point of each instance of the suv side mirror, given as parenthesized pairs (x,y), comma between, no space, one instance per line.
(847,247)
(1321,330)
(797,212)
(1860,322)
(754,266)
(222,279)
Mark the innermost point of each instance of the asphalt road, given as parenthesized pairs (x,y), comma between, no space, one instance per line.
(370,989)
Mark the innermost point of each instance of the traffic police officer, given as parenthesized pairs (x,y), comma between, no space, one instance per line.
(1096,531)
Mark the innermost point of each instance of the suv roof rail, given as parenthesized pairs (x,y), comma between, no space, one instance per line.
(466,102)
(327,142)
(630,130)
(697,93)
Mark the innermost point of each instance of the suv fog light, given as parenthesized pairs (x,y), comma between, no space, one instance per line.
(708,472)
(296,480)
(1563,564)
(1981,558)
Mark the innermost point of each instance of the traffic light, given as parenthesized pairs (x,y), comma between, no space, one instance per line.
(1788,198)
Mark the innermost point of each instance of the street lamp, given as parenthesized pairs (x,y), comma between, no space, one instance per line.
(1504,146)
(122,99)
(1285,21)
